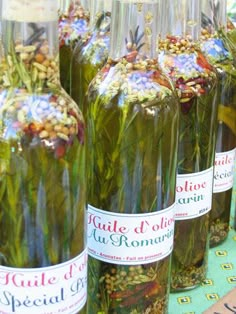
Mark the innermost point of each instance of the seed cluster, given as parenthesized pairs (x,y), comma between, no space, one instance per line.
(46,116)
(31,65)
(72,24)
(134,81)
(177,45)
(124,277)
(157,307)
(188,277)
(218,232)
(213,46)
(93,48)
(134,288)
(187,66)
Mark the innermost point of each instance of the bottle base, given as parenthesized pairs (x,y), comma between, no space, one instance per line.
(180,289)
(218,237)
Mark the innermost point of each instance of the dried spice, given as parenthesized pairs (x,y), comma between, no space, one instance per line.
(133,289)
(72,24)
(195,81)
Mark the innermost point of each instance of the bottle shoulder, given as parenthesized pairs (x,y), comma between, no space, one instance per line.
(140,82)
(49,116)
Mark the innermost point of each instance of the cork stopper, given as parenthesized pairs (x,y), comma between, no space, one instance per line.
(29,10)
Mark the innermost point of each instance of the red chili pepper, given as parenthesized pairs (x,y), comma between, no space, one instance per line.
(202,61)
(73,113)
(81,132)
(185,107)
(60,151)
(33,128)
(105,69)
(172,39)
(62,43)
(131,56)
(147,289)
(151,289)
(157,78)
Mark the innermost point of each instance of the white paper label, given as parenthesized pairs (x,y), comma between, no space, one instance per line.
(224,171)
(50,290)
(194,194)
(29,11)
(130,239)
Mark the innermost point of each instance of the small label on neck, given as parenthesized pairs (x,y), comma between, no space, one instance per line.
(29,10)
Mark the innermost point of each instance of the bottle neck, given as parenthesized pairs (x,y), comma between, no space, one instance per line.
(74,7)
(85,4)
(30,41)
(135,28)
(214,15)
(181,18)
(98,8)
(64,6)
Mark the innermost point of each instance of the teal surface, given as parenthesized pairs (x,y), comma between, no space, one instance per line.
(221,276)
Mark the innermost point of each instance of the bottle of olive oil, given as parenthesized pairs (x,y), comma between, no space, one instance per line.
(91,52)
(132,118)
(43,258)
(195,81)
(216,47)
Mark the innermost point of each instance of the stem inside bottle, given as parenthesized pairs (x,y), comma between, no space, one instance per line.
(137,23)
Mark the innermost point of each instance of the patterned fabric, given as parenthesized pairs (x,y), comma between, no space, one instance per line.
(221,277)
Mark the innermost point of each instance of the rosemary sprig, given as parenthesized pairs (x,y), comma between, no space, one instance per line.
(134,41)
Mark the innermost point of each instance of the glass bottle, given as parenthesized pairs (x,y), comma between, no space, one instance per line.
(73,24)
(132,118)
(215,46)
(91,52)
(43,256)
(195,81)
